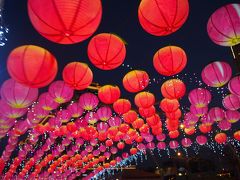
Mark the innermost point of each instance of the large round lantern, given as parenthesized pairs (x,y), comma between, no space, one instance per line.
(121,106)
(108,94)
(47,102)
(88,101)
(224,25)
(234,85)
(75,110)
(232,116)
(236,135)
(186,142)
(216,114)
(77,75)
(32,66)
(199,97)
(201,140)
(60,92)
(106,51)
(173,89)
(65,22)
(161,17)
(190,118)
(224,125)
(153,120)
(144,99)
(130,116)
(198,111)
(169,60)
(147,112)
(104,113)
(169,105)
(135,81)
(221,138)
(231,102)
(204,128)
(173,144)
(216,74)
(18,95)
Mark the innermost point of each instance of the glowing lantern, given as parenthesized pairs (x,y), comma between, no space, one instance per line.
(18,95)
(161,137)
(161,145)
(169,60)
(60,92)
(88,101)
(169,105)
(9,112)
(120,145)
(32,66)
(221,138)
(77,75)
(224,125)
(201,140)
(137,123)
(234,85)
(173,144)
(173,134)
(198,111)
(130,116)
(65,22)
(124,128)
(133,151)
(189,131)
(71,127)
(232,116)
(160,17)
(104,113)
(106,51)
(121,106)
(63,115)
(205,128)
(173,89)
(207,120)
(223,25)
(47,102)
(144,99)
(237,135)
(135,81)
(172,125)
(114,121)
(231,102)
(216,74)
(190,118)
(147,112)
(200,97)
(108,94)
(91,117)
(216,114)
(153,120)
(186,142)
(75,110)
(174,115)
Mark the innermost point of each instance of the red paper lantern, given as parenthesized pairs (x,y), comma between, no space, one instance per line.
(169,105)
(162,17)
(144,99)
(106,51)
(121,106)
(147,112)
(173,89)
(236,136)
(32,66)
(108,94)
(135,81)
(130,116)
(120,145)
(170,60)
(153,120)
(77,75)
(221,138)
(189,131)
(137,123)
(173,134)
(205,128)
(174,115)
(65,22)
(133,151)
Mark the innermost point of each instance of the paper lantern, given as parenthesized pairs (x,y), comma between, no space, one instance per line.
(201,140)
(9,112)
(161,18)
(169,60)
(135,81)
(32,66)
(169,105)
(88,101)
(144,99)
(106,51)
(114,121)
(120,145)
(47,102)
(138,123)
(161,145)
(186,142)
(147,112)
(18,95)
(237,135)
(223,25)
(231,102)
(75,110)
(153,120)
(234,85)
(173,89)
(173,134)
(63,115)
(65,22)
(77,75)
(232,116)
(104,113)
(121,106)
(207,120)
(224,125)
(130,116)
(199,97)
(204,128)
(190,118)
(189,131)
(198,111)
(174,115)
(221,138)
(173,144)
(216,74)
(216,114)
(60,92)
(108,94)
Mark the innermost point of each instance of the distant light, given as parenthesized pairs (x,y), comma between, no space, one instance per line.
(179,154)
(181,126)
(180,174)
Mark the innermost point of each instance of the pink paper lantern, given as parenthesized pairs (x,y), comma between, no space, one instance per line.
(224,25)
(88,101)
(47,102)
(75,110)
(115,121)
(64,116)
(231,102)
(60,92)
(173,144)
(200,97)
(232,116)
(199,112)
(190,118)
(201,140)
(161,137)
(102,127)
(9,112)
(104,113)
(18,95)
(224,125)
(216,74)
(216,114)
(161,145)
(151,145)
(186,142)
(234,85)
(91,117)
(207,120)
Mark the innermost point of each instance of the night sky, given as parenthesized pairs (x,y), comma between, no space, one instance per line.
(120,17)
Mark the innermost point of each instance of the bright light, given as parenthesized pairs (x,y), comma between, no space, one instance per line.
(179,154)
(181,126)
(180,174)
